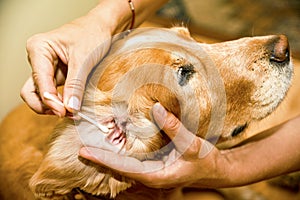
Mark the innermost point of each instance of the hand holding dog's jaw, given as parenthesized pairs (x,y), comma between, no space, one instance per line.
(179,163)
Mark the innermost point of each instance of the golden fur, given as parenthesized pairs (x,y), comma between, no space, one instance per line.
(228,85)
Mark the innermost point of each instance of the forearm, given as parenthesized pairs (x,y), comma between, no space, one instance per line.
(117,14)
(274,155)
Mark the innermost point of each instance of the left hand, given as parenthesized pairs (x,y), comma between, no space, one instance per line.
(194,161)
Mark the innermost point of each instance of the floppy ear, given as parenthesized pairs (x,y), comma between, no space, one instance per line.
(182,31)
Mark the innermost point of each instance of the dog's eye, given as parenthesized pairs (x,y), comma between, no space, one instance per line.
(184,73)
(238,130)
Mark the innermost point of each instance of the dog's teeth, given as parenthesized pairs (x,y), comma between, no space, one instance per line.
(117,145)
(116,137)
(110,125)
(116,141)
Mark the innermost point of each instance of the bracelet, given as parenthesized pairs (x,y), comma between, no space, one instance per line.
(131,6)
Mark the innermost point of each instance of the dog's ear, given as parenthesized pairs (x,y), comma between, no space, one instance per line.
(182,31)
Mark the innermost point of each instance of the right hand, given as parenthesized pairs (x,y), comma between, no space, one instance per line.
(64,56)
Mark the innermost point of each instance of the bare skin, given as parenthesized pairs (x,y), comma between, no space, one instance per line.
(67,55)
(201,164)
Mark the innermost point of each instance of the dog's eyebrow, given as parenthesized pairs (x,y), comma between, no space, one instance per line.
(184,73)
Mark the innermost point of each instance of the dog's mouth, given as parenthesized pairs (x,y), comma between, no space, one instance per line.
(139,138)
(116,135)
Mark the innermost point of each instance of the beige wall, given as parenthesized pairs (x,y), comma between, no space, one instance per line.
(18,21)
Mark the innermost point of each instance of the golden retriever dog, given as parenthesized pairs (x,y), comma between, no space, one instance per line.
(216,90)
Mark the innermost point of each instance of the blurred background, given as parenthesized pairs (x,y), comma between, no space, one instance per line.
(18,21)
(215,19)
(232,19)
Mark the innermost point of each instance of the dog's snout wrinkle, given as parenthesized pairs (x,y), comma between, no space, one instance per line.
(280,50)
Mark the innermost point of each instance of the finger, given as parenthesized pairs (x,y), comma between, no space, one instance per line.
(80,65)
(171,125)
(43,58)
(186,142)
(61,73)
(155,174)
(125,165)
(78,72)
(32,99)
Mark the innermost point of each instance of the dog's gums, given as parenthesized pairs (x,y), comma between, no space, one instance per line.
(116,135)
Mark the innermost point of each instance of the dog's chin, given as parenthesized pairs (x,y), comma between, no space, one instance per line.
(146,149)
(145,142)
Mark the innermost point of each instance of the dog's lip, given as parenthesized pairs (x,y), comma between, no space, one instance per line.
(117,139)
(116,136)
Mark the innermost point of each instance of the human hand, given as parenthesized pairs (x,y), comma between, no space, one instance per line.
(64,56)
(68,54)
(195,161)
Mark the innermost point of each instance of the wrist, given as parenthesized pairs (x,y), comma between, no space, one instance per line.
(214,171)
(117,15)
(114,16)
(225,169)
(237,169)
(221,172)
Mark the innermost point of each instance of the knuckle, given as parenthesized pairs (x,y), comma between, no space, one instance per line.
(172,123)
(39,44)
(75,84)
(194,148)
(23,94)
(34,41)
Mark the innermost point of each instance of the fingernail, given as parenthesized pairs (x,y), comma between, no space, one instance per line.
(74,103)
(159,113)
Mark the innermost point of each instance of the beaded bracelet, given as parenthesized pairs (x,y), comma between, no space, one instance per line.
(131,6)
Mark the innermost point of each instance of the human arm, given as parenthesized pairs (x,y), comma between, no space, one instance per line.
(274,155)
(201,164)
(67,54)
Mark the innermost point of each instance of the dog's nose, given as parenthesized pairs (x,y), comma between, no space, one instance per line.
(280,49)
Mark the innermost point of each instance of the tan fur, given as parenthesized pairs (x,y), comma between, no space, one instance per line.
(124,87)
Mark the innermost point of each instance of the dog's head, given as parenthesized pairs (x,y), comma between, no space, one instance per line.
(216,90)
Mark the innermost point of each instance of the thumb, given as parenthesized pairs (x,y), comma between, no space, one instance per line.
(73,93)
(172,126)
(75,84)
(79,68)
